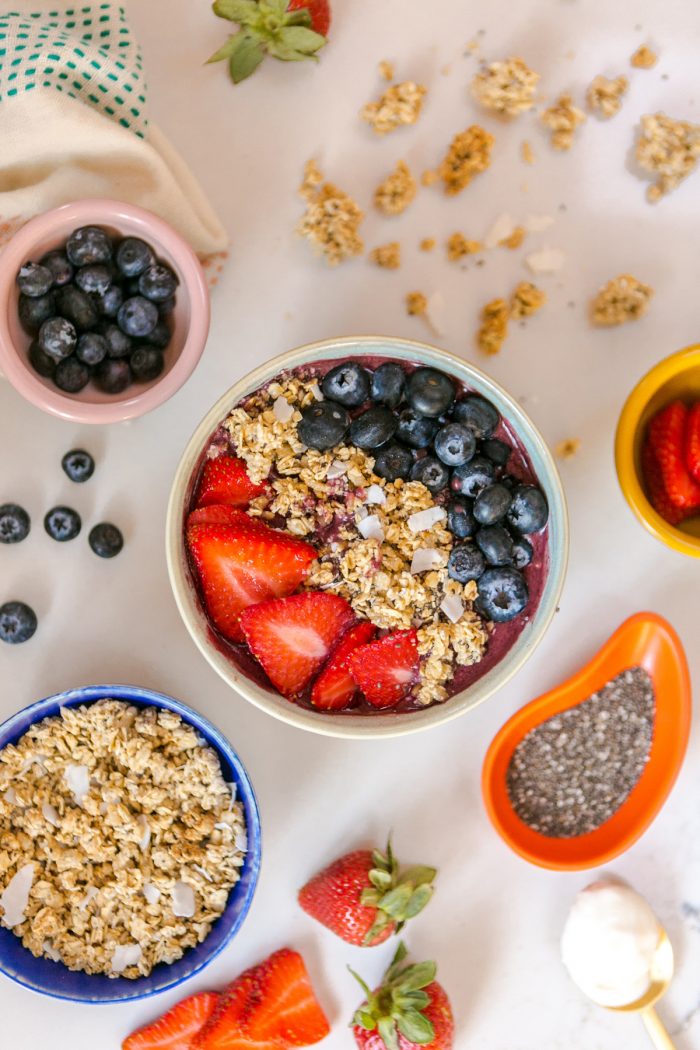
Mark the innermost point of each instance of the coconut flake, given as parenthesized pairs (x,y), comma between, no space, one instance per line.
(336,470)
(151,893)
(375,494)
(316,390)
(15,896)
(205,874)
(282,409)
(183,900)
(547,260)
(10,796)
(537,223)
(50,952)
(425,519)
(452,607)
(426,558)
(50,813)
(125,955)
(371,528)
(90,894)
(78,780)
(240,840)
(435,313)
(501,230)
(145,839)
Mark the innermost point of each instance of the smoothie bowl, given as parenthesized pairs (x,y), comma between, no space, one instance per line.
(366,537)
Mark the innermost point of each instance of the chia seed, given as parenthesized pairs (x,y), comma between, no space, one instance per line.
(573,772)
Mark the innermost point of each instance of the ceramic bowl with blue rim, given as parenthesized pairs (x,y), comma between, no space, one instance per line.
(56,980)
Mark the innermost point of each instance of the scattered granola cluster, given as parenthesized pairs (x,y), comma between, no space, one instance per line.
(400,104)
(622,299)
(604,95)
(525,301)
(644,58)
(332,219)
(119,839)
(469,155)
(668,149)
(396,192)
(507,87)
(427,244)
(567,448)
(562,119)
(388,256)
(416,304)
(386,70)
(458,246)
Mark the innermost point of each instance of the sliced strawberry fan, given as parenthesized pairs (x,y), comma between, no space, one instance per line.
(335,688)
(667,457)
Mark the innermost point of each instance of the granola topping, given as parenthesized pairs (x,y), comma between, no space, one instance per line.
(332,219)
(458,246)
(416,304)
(399,105)
(604,96)
(562,119)
(494,326)
(526,300)
(668,149)
(469,155)
(507,87)
(388,256)
(644,58)
(622,299)
(397,191)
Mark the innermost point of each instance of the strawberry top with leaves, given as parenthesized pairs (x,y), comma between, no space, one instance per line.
(408,1010)
(290,30)
(364,897)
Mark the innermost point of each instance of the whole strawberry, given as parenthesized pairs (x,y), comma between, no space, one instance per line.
(290,30)
(408,1010)
(363,896)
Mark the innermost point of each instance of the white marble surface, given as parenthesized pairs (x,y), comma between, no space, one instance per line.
(495,922)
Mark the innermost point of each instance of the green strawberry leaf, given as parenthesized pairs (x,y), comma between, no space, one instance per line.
(363,985)
(415,1027)
(365,1020)
(227,49)
(416,1000)
(381,879)
(276,7)
(235,10)
(418,976)
(246,58)
(387,1030)
(298,18)
(418,900)
(395,901)
(418,876)
(300,38)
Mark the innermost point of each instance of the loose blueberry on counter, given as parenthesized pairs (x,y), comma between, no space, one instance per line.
(473,477)
(34,280)
(393,462)
(431,473)
(529,510)
(91,348)
(415,430)
(113,375)
(430,392)
(95,278)
(57,338)
(503,594)
(373,428)
(33,312)
(465,563)
(160,336)
(496,450)
(492,503)
(133,256)
(88,245)
(17,622)
(388,383)
(78,465)
(71,375)
(105,540)
(14,523)
(157,283)
(76,306)
(348,384)
(522,552)
(61,269)
(478,413)
(118,343)
(455,444)
(137,316)
(146,363)
(41,362)
(62,524)
(460,519)
(496,544)
(109,301)
(323,425)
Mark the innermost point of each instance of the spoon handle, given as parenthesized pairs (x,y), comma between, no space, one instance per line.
(655,1030)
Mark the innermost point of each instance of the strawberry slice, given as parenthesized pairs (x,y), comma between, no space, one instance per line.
(386,669)
(225,480)
(692,441)
(241,565)
(176,1029)
(666,437)
(220,514)
(335,687)
(224,1029)
(284,1006)
(292,637)
(655,488)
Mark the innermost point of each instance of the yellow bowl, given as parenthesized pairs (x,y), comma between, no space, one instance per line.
(677,376)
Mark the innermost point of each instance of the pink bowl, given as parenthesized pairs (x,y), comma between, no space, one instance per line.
(190,317)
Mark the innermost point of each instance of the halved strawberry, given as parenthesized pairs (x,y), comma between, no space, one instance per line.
(284,1006)
(292,637)
(176,1029)
(219,514)
(666,437)
(692,441)
(655,488)
(243,564)
(225,480)
(335,687)
(386,669)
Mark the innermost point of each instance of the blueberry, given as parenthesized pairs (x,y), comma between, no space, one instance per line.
(160,336)
(91,348)
(460,519)
(113,375)
(529,510)
(62,524)
(393,462)
(14,523)
(323,425)
(105,540)
(166,307)
(497,451)
(492,504)
(42,364)
(522,552)
(348,384)
(146,363)
(71,375)
(61,269)
(34,280)
(118,343)
(133,256)
(88,245)
(78,465)
(388,383)
(477,413)
(109,301)
(430,392)
(496,544)
(471,478)
(76,306)
(414,430)
(95,278)
(137,316)
(465,563)
(33,312)
(455,444)
(157,283)
(373,428)
(57,337)
(17,623)
(503,594)
(431,473)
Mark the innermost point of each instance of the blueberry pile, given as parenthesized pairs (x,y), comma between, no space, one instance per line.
(417,428)
(97,309)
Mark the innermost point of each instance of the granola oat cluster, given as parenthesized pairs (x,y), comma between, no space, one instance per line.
(644,58)
(668,149)
(469,155)
(458,246)
(604,95)
(388,256)
(396,192)
(507,87)
(622,299)
(120,835)
(399,105)
(525,301)
(332,219)
(562,119)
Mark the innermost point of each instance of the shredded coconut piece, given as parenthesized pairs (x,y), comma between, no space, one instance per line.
(317,395)
(331,223)
(568,448)
(371,528)
(10,796)
(622,299)
(469,155)
(494,326)
(282,409)
(50,813)
(502,228)
(668,149)
(604,96)
(458,246)
(15,897)
(151,893)
(426,558)
(240,840)
(336,470)
(400,105)
(388,256)
(90,893)
(546,260)
(145,827)
(375,494)
(50,952)
(397,191)
(507,87)
(78,781)
(452,608)
(183,900)
(125,956)
(202,871)
(644,58)
(562,119)
(526,300)
(423,520)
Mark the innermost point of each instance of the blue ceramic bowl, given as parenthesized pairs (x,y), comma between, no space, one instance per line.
(55,979)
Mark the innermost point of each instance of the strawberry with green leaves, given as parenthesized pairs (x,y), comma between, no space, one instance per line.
(364,896)
(290,30)
(408,1010)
